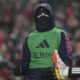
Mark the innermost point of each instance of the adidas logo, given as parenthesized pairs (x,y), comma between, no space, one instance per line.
(43,44)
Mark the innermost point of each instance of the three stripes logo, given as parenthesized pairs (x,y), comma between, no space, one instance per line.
(43,44)
(74,72)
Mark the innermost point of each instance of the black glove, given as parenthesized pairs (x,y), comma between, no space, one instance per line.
(20,71)
(17,71)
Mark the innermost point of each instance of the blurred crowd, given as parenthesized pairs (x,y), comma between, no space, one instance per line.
(16,22)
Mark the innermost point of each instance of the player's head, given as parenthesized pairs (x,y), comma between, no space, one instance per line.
(44,17)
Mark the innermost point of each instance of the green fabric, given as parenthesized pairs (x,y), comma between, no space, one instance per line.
(42,46)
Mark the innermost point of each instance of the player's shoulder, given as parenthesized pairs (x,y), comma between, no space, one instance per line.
(60,32)
(30,35)
(57,30)
(33,34)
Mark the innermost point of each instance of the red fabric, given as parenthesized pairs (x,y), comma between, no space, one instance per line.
(28,14)
(69,11)
(78,46)
(55,59)
(68,45)
(5,73)
(1,42)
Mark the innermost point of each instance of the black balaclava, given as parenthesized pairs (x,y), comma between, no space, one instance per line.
(44,17)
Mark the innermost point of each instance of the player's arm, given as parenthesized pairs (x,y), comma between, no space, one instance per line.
(22,68)
(65,53)
(65,50)
(63,61)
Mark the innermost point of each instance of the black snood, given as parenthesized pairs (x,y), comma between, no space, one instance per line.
(44,19)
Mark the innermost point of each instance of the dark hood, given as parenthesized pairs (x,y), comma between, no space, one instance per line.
(50,12)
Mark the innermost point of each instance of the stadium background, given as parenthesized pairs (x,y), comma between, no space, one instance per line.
(16,22)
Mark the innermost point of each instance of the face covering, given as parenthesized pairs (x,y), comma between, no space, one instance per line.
(43,19)
(43,24)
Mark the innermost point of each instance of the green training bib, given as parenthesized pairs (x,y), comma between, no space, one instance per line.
(42,46)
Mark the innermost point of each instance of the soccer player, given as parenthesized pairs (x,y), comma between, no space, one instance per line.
(39,46)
